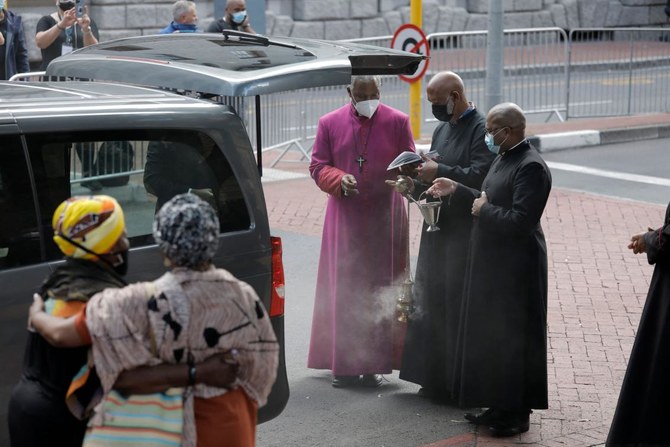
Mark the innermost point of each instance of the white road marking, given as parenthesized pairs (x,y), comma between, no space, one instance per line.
(609,174)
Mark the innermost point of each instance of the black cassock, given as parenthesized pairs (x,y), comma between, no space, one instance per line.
(501,357)
(428,355)
(644,402)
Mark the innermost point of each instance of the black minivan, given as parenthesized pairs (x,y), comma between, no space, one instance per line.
(108,119)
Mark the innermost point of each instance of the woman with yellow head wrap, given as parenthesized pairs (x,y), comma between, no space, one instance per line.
(90,231)
(91,227)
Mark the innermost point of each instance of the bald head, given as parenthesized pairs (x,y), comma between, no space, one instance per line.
(233,5)
(507,114)
(507,123)
(442,85)
(445,93)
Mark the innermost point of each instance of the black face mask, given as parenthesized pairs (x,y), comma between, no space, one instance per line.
(440,112)
(65,6)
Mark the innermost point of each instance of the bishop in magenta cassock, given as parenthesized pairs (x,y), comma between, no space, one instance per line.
(364,244)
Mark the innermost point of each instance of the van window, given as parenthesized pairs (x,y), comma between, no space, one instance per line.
(141,169)
(19,235)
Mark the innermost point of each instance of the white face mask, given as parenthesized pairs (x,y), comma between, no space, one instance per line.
(238,17)
(367,108)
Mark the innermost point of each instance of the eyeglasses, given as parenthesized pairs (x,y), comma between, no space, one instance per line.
(495,131)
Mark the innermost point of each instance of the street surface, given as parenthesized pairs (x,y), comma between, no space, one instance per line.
(601,196)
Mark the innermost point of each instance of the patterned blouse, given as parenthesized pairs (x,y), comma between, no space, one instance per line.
(184,314)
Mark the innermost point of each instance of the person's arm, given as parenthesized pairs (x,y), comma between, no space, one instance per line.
(656,243)
(530,190)
(59,332)
(159,177)
(219,370)
(47,35)
(86,25)
(22,62)
(326,176)
(479,161)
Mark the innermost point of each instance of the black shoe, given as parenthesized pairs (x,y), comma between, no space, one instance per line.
(487,417)
(371,380)
(345,381)
(510,424)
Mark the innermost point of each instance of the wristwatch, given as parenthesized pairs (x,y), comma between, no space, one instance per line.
(191,374)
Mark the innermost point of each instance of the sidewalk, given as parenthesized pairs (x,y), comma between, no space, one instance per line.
(597,287)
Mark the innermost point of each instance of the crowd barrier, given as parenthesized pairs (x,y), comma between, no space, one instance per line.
(551,74)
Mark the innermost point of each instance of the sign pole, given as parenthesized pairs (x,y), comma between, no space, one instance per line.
(415,87)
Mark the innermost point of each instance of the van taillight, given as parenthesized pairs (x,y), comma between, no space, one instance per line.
(277,298)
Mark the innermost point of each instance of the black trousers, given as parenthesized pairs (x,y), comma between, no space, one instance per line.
(37,419)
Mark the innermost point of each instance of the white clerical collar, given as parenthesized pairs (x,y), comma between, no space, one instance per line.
(515,146)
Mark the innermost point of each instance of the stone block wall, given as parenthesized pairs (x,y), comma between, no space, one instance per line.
(382,17)
(348,19)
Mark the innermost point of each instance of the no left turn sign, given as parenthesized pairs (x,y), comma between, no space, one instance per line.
(410,38)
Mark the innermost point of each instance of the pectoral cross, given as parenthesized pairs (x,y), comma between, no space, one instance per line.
(360,160)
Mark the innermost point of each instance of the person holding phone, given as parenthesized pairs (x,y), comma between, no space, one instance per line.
(64,31)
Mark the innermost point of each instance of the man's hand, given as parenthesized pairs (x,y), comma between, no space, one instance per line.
(637,243)
(348,184)
(403,184)
(442,187)
(427,171)
(478,203)
(410,170)
(219,370)
(84,21)
(68,19)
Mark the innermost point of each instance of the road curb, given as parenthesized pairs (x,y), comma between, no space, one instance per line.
(585,138)
(550,142)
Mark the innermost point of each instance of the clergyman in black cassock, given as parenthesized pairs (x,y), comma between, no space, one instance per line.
(458,141)
(501,357)
(644,409)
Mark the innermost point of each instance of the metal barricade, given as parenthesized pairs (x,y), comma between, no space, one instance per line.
(618,71)
(33,76)
(535,78)
(534,67)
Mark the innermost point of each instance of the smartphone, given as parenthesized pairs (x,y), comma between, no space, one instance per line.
(79,6)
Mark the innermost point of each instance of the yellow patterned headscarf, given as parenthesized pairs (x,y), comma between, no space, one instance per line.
(93,222)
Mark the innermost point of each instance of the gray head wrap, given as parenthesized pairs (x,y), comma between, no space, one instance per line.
(186,229)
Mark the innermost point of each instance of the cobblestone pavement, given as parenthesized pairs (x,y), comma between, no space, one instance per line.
(597,288)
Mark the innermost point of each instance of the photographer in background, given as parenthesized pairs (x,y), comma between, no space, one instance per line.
(63,32)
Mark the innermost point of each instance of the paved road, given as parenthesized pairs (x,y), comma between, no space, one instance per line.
(636,170)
